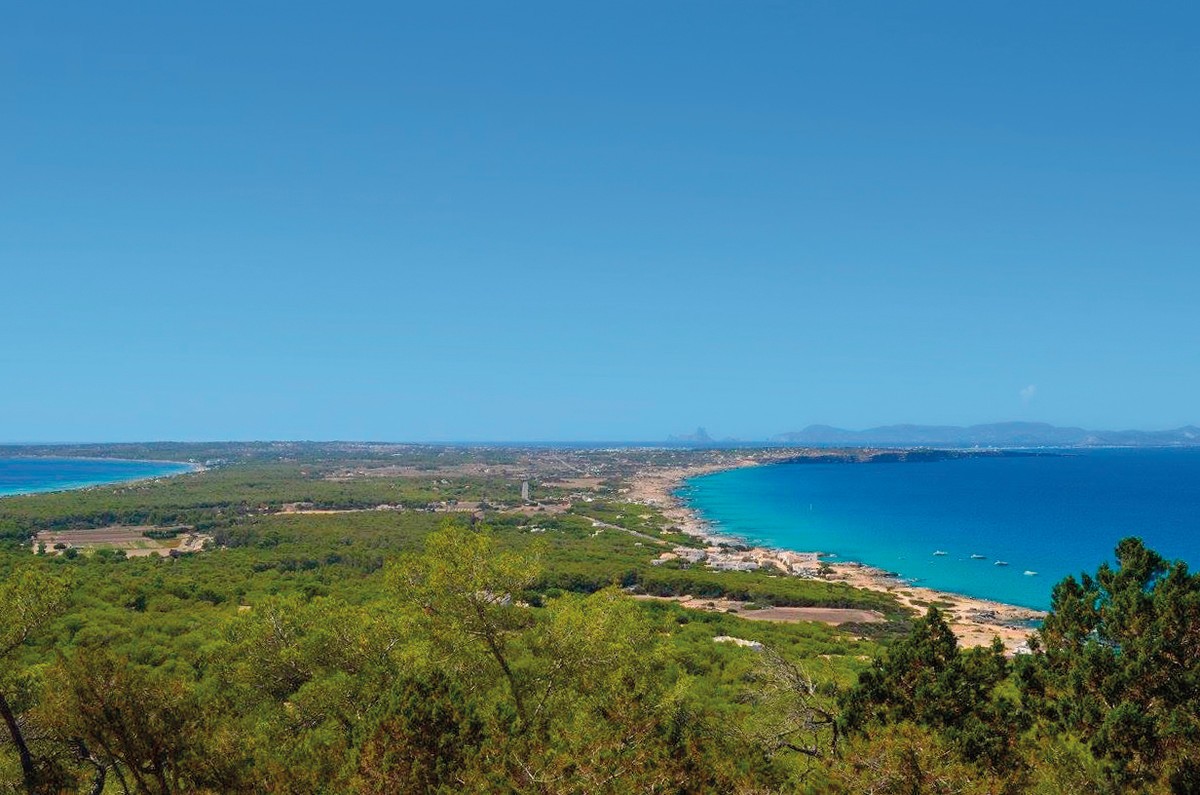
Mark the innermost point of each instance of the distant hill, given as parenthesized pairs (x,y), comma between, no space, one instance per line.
(999,434)
(699,437)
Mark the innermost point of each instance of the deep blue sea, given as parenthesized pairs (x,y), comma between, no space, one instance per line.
(1053,515)
(29,475)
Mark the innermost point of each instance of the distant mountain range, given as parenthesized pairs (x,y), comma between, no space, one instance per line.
(999,434)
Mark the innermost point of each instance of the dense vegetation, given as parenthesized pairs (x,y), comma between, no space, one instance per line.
(414,651)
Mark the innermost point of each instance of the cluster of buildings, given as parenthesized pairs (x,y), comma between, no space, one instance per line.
(723,558)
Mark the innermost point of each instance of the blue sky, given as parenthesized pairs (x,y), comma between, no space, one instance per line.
(541,221)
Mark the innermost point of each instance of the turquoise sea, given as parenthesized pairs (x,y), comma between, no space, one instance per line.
(30,475)
(1052,514)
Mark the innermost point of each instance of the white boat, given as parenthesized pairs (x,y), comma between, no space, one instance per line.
(939,552)
(1000,563)
(979,557)
(1029,573)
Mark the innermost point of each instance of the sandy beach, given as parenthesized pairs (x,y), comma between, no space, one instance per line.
(975,621)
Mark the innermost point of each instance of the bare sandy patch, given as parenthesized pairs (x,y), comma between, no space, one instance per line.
(834,616)
(575,484)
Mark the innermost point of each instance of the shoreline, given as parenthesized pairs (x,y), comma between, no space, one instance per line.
(191,469)
(974,620)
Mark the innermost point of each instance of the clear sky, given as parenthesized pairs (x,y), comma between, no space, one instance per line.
(614,220)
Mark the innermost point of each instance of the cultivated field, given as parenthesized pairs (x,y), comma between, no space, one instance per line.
(129,538)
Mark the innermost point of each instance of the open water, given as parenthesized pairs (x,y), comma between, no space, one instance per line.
(1044,516)
(30,475)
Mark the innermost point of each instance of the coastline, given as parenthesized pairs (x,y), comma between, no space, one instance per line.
(191,469)
(975,621)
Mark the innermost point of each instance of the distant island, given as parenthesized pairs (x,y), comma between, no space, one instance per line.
(699,437)
(1000,434)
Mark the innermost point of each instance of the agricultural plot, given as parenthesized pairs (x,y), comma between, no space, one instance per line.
(131,539)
